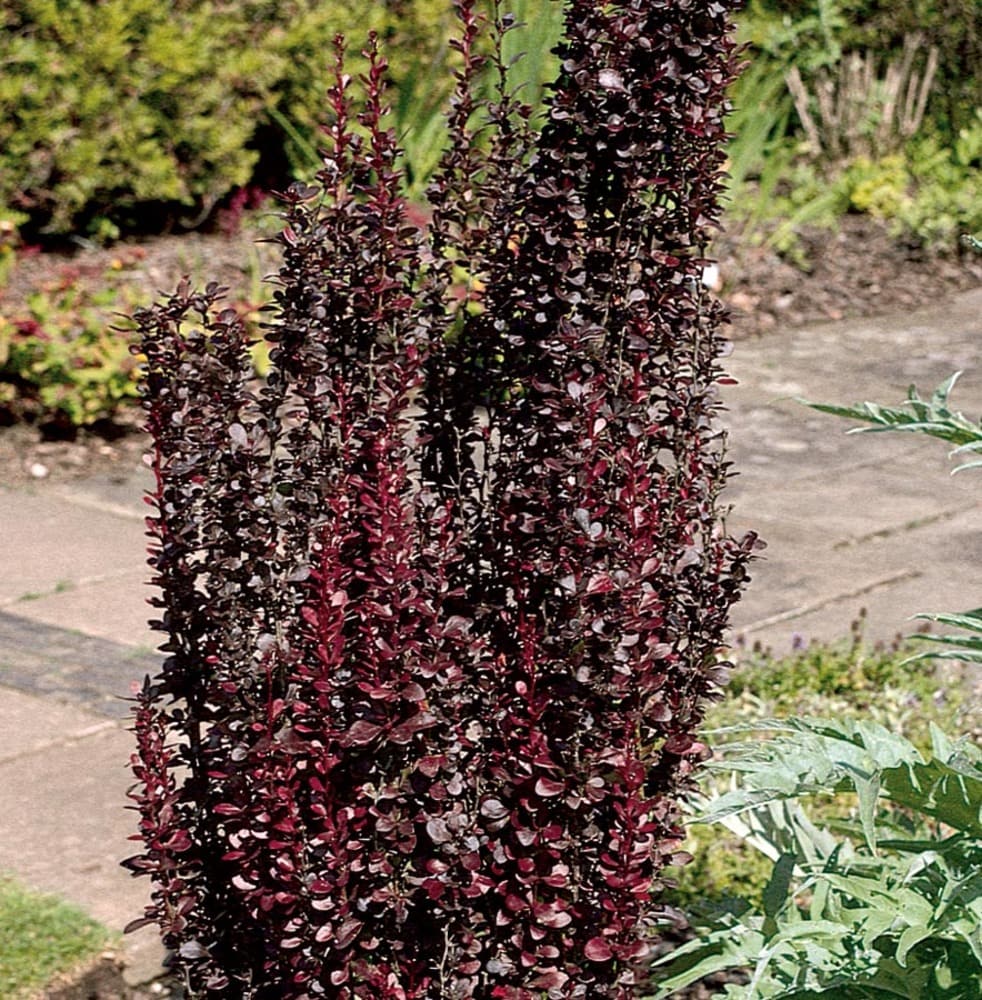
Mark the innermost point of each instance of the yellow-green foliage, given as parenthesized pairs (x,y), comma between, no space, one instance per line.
(65,351)
(947,183)
(880,188)
(106,105)
(933,191)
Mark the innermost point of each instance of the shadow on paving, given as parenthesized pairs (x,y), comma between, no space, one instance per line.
(71,667)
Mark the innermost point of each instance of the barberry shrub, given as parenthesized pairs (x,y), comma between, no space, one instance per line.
(442,597)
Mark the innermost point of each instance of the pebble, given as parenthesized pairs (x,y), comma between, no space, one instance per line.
(743,302)
(711,277)
(38,471)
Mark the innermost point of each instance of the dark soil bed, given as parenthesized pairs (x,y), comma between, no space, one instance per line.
(859,270)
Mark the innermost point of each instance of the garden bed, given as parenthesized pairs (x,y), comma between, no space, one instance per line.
(859,270)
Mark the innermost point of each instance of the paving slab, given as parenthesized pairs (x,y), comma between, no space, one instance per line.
(29,726)
(815,594)
(876,502)
(71,667)
(49,543)
(864,358)
(119,493)
(110,607)
(887,607)
(882,528)
(870,521)
(64,827)
(83,816)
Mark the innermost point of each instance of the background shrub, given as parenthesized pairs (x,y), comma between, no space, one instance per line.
(921,176)
(127,115)
(816,32)
(108,107)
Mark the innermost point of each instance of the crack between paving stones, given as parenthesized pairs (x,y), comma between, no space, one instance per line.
(71,587)
(824,602)
(907,526)
(79,737)
(117,510)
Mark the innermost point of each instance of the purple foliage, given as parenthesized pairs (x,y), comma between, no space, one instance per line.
(443,596)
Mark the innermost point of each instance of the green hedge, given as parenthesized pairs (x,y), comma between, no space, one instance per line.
(111,107)
(107,104)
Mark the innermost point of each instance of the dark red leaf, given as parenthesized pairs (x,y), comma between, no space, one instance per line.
(598,950)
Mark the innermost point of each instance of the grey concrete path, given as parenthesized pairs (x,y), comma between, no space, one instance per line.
(854,521)
(861,521)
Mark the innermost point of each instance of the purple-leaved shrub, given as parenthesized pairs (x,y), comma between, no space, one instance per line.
(442,597)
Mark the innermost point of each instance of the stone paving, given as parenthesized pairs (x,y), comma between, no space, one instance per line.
(851,522)
(854,521)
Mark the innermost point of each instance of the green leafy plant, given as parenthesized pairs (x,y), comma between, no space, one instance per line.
(768,199)
(845,680)
(66,359)
(529,51)
(945,186)
(883,683)
(934,418)
(65,362)
(758,150)
(888,905)
(809,35)
(530,30)
(931,191)
(9,242)
(814,33)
